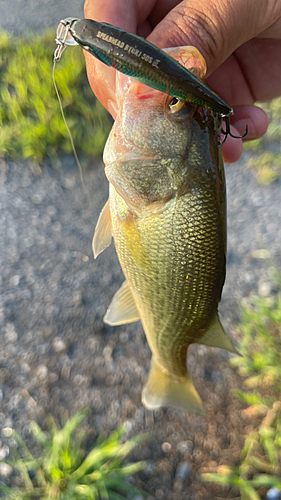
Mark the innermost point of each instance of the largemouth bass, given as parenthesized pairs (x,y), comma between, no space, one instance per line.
(167,214)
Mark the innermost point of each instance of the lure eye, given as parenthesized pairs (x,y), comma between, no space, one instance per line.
(179,110)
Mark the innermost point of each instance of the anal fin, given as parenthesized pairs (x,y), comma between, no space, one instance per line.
(103,232)
(123,308)
(215,336)
(166,389)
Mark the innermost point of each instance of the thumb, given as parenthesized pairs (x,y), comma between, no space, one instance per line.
(216,27)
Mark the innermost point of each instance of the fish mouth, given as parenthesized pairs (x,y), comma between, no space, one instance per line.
(122,148)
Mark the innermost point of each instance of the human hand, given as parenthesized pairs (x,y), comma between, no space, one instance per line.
(240,40)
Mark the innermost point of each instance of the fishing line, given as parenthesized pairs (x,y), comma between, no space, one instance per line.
(69,133)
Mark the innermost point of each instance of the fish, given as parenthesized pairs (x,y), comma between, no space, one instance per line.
(167,215)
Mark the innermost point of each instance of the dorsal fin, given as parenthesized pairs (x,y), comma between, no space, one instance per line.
(122,308)
(103,232)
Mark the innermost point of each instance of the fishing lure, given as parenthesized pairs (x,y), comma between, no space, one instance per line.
(136,57)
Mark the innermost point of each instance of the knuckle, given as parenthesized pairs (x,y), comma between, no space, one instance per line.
(203,28)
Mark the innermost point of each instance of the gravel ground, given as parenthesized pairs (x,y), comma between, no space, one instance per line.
(57,355)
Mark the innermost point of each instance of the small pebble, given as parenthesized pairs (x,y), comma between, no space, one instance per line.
(7,431)
(37,198)
(14,281)
(59,345)
(159,494)
(128,425)
(107,352)
(260,254)
(4,452)
(93,344)
(8,423)
(149,419)
(29,399)
(53,378)
(25,368)
(5,470)
(51,211)
(273,494)
(65,372)
(185,446)
(11,334)
(150,469)
(69,182)
(178,485)
(13,443)
(99,361)
(56,226)
(183,471)
(41,349)
(115,407)
(25,294)
(77,299)
(139,415)
(42,372)
(265,289)
(80,380)
(124,337)
(166,447)
(45,221)
(224,470)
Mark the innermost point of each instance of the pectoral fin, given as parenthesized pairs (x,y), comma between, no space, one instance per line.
(122,308)
(165,389)
(215,336)
(103,231)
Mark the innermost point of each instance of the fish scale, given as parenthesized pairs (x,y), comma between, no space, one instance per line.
(166,288)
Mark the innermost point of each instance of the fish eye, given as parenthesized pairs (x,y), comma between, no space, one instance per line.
(179,110)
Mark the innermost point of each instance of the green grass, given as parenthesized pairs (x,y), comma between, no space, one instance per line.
(266,152)
(66,471)
(30,118)
(260,467)
(260,365)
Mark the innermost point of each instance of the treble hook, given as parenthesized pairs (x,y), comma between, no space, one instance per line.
(227,131)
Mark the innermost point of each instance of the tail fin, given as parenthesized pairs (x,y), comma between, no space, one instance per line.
(165,389)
